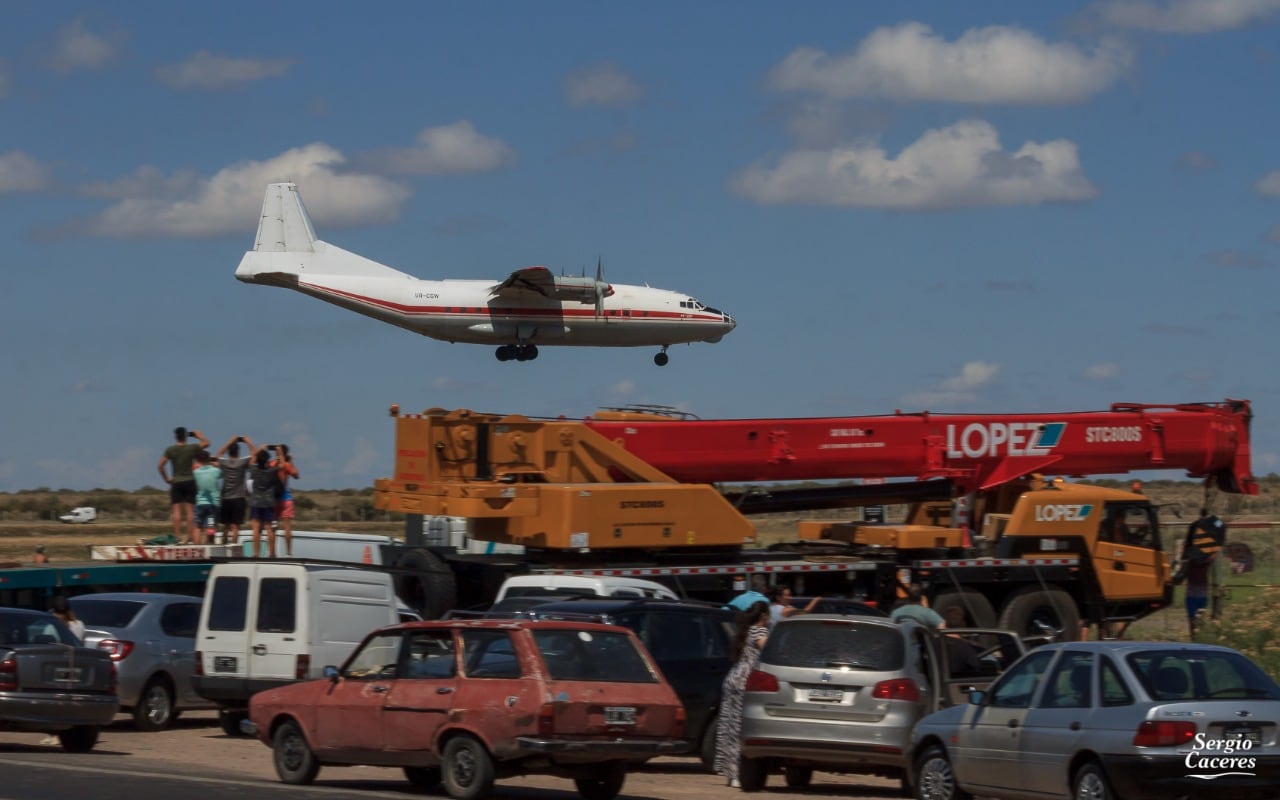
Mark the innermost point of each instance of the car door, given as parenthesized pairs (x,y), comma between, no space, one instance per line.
(279,623)
(178,622)
(349,716)
(692,650)
(987,744)
(1054,727)
(421,697)
(1127,554)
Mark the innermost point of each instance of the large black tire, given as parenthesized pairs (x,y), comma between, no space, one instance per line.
(295,763)
(425,778)
(79,739)
(971,606)
(428,586)
(753,773)
(607,785)
(798,777)
(467,769)
(1091,782)
(1042,612)
(707,747)
(154,711)
(934,778)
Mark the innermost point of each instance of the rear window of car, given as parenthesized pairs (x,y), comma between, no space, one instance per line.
(106,613)
(835,643)
(34,629)
(579,655)
(1182,675)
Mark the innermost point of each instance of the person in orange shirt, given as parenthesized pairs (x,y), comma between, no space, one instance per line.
(285,470)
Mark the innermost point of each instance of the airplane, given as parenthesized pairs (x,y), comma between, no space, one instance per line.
(532,307)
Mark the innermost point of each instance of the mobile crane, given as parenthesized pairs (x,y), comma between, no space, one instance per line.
(630,493)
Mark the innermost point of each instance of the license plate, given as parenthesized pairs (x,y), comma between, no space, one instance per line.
(68,674)
(619,715)
(1243,733)
(826,695)
(224,664)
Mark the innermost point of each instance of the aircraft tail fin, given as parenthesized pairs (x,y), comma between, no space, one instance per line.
(286,249)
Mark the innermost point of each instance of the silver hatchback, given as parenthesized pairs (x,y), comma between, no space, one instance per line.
(1109,719)
(151,637)
(841,693)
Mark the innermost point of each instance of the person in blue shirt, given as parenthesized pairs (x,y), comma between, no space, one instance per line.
(753,595)
(913,607)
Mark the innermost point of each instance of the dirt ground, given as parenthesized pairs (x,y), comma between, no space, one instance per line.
(196,741)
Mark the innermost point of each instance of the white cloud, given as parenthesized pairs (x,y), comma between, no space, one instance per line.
(957,166)
(957,390)
(20,172)
(623,389)
(600,85)
(153,205)
(1185,16)
(205,70)
(1269,184)
(1101,372)
(76,48)
(445,150)
(997,64)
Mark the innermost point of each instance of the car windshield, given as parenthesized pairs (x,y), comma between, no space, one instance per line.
(579,655)
(106,613)
(824,644)
(34,629)
(1183,675)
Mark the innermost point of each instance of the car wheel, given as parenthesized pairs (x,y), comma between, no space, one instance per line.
(1090,783)
(79,739)
(1042,612)
(753,773)
(935,780)
(467,769)
(707,749)
(154,711)
(606,786)
(423,777)
(230,719)
(798,777)
(295,763)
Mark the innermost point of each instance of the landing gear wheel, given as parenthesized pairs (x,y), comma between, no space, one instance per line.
(505,352)
(154,711)
(79,739)
(467,768)
(606,786)
(295,763)
(661,359)
(425,778)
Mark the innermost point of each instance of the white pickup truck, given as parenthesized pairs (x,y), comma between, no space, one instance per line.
(81,514)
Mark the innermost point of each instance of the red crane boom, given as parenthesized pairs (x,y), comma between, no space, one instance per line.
(974,451)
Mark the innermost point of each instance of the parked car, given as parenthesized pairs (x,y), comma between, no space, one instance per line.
(49,683)
(842,693)
(468,701)
(587,585)
(839,605)
(1109,719)
(151,637)
(690,641)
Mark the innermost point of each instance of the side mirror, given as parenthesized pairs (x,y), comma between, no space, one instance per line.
(331,672)
(977,697)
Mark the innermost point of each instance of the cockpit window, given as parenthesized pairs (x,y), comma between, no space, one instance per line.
(692,304)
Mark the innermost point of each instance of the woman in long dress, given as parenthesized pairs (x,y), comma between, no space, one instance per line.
(753,630)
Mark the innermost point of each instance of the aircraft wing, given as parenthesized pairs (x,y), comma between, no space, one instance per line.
(527,279)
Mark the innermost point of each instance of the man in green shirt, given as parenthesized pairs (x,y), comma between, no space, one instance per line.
(182,483)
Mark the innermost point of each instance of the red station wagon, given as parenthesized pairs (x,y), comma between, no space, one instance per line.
(469,701)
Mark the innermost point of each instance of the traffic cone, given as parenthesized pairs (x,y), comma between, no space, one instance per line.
(367,558)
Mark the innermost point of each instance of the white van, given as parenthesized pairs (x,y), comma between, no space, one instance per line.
(265,624)
(582,585)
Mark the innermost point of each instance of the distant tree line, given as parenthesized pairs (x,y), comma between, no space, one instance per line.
(150,504)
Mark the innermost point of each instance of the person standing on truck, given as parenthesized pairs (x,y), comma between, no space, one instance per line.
(233,465)
(182,484)
(208,497)
(284,498)
(914,606)
(262,501)
(753,631)
(1205,538)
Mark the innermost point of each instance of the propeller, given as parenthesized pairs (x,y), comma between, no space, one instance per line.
(601,286)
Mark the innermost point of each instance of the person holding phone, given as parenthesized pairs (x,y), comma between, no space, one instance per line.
(182,483)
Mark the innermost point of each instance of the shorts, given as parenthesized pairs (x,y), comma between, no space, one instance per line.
(182,492)
(284,509)
(232,511)
(206,516)
(264,515)
(1195,605)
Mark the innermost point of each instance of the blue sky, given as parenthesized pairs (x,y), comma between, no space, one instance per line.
(996,207)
